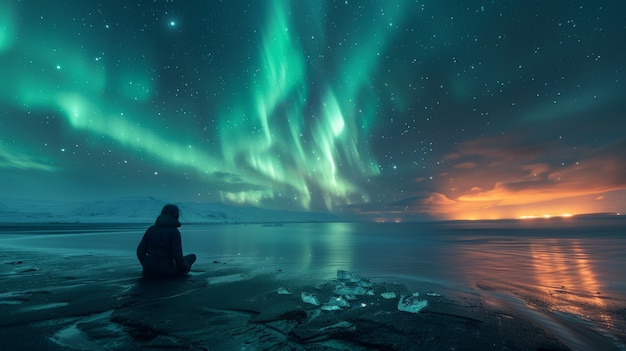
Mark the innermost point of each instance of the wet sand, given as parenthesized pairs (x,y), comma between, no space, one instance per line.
(51,301)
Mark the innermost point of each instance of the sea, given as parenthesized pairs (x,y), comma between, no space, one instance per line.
(565,274)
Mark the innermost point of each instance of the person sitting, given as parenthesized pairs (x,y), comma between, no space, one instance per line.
(160,250)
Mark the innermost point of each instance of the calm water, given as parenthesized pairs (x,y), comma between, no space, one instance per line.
(565,274)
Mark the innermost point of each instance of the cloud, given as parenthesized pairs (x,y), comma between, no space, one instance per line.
(513,175)
(493,175)
(466,165)
(505,177)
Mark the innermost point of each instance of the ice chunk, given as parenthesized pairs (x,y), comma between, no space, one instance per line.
(342,289)
(344,275)
(434,294)
(309,298)
(283,291)
(411,304)
(388,295)
(335,303)
(314,314)
(364,283)
(339,301)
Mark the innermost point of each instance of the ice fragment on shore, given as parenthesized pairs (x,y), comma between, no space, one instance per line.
(335,304)
(309,298)
(411,304)
(314,314)
(365,283)
(342,289)
(388,295)
(344,275)
(283,291)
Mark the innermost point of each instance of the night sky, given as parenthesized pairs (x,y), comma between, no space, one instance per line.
(391,109)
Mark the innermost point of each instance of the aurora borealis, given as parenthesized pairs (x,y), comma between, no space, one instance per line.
(391,109)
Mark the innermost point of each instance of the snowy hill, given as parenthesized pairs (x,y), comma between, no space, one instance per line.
(143,210)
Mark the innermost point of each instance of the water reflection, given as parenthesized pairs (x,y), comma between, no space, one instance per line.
(555,274)
(566,269)
(303,249)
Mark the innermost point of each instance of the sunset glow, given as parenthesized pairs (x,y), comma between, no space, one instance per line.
(510,184)
(564,215)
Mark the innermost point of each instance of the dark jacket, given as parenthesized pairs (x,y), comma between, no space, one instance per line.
(160,250)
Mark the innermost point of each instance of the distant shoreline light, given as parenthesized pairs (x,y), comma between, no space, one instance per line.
(564,215)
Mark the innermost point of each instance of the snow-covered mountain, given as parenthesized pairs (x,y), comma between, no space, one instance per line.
(143,210)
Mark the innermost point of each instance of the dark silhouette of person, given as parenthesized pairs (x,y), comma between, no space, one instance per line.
(160,250)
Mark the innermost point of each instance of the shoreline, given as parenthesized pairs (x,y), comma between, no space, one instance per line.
(72,287)
(98,302)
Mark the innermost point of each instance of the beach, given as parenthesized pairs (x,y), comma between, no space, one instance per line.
(79,299)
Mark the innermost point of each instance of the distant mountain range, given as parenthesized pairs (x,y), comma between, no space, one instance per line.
(143,210)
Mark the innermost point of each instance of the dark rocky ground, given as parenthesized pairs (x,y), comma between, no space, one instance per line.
(56,302)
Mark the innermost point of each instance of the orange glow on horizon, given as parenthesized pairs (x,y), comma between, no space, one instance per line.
(531,207)
(492,178)
(546,216)
(439,206)
(387,220)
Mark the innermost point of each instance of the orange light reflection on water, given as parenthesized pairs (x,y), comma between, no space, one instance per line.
(556,273)
(564,267)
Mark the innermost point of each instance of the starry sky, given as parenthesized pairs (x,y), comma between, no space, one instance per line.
(385,109)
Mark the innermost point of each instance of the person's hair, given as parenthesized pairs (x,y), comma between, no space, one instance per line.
(171,210)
